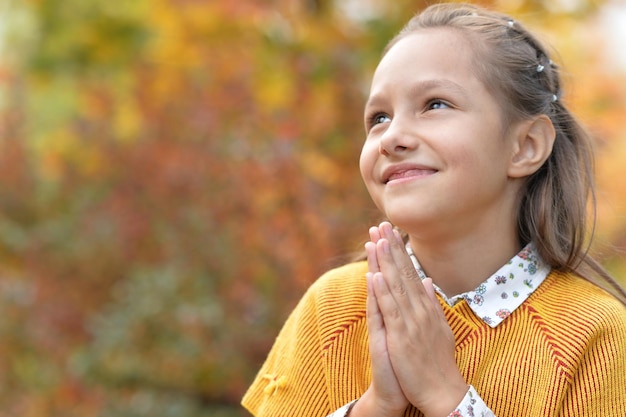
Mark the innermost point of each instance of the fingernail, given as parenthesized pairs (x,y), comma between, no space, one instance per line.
(377,279)
(386,246)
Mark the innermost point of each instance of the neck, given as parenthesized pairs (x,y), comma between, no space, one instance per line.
(461,265)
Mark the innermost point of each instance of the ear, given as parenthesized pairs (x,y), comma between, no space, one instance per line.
(532,146)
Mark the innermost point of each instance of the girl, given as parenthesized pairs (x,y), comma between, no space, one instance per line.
(483,305)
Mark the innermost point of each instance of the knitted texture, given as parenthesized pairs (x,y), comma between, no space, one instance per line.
(561,353)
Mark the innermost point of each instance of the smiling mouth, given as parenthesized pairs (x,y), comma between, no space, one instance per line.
(409,173)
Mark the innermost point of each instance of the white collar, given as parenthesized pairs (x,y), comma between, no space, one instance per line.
(505,290)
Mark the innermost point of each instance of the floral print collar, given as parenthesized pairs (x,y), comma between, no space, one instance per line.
(504,291)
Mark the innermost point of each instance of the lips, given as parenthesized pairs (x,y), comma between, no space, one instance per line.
(406,171)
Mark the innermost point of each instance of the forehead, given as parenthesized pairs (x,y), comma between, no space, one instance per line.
(434,53)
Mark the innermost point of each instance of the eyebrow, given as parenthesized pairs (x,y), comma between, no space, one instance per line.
(421,87)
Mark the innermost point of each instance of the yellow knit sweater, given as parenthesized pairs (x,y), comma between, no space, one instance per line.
(561,353)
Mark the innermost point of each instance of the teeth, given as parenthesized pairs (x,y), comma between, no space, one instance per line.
(404,174)
(409,173)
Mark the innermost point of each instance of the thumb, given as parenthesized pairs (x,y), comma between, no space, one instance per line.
(430,290)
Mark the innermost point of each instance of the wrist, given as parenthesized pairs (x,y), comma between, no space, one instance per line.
(444,405)
(370,405)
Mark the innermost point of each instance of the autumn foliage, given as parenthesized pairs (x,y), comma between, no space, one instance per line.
(175,173)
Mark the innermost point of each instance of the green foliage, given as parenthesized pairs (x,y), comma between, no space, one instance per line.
(83,36)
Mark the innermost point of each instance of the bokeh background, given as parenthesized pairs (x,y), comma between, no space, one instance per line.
(175,173)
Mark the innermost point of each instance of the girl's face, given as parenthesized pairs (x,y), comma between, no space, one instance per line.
(436,155)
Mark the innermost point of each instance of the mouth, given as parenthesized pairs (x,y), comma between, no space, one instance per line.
(398,174)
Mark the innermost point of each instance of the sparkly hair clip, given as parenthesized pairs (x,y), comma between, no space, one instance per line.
(554,98)
(511,22)
(540,68)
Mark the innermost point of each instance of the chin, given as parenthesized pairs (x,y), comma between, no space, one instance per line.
(412,220)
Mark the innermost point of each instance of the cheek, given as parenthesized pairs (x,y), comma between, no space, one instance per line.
(467,155)
(367,160)
(477,166)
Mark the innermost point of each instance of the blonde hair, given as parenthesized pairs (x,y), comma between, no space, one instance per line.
(517,69)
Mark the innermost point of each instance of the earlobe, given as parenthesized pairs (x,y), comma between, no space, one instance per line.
(532,146)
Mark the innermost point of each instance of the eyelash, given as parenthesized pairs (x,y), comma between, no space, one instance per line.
(430,103)
(373,119)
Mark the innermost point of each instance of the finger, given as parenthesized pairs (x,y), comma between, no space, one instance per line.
(375,322)
(398,248)
(392,292)
(395,310)
(384,384)
(372,257)
(395,263)
(385,300)
(374,317)
(387,231)
(370,249)
(374,234)
(430,290)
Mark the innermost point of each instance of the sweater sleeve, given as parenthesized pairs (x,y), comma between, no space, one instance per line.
(599,384)
(292,382)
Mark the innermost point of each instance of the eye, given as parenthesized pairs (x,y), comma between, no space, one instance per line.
(378,118)
(436,104)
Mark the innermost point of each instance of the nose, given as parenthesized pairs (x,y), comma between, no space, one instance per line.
(396,139)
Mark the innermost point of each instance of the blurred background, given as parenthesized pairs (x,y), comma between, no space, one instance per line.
(175,173)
